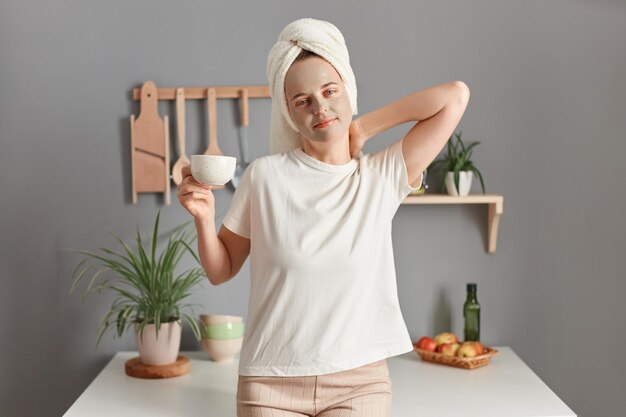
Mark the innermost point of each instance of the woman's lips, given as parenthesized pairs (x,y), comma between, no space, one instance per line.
(322,125)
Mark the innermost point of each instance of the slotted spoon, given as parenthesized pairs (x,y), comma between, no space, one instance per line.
(243,140)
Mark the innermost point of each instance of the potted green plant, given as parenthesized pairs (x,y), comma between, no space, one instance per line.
(149,296)
(458,167)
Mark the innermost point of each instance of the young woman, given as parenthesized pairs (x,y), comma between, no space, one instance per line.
(323,312)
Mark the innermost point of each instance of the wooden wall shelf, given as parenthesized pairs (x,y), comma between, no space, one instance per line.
(495,202)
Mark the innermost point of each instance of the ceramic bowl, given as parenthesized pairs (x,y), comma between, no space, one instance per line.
(222,331)
(232,327)
(213,169)
(222,350)
(219,318)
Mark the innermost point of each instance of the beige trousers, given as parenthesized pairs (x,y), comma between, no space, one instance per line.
(361,392)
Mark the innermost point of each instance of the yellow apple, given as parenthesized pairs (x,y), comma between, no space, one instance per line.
(446,337)
(467,350)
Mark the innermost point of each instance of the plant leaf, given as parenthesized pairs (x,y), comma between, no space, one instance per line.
(192,252)
(80,276)
(155,233)
(482,184)
(194,326)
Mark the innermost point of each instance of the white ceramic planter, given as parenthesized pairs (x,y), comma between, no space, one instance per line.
(162,350)
(465,183)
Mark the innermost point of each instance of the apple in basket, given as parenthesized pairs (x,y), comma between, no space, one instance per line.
(426,343)
(469,350)
(448,349)
(446,337)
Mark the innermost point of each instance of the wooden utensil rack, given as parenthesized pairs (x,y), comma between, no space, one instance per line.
(150,134)
(199,93)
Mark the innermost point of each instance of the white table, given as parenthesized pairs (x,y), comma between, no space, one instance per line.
(505,387)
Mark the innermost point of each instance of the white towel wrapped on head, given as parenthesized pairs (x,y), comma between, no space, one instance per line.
(316,36)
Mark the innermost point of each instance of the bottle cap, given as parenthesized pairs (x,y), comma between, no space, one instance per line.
(471,287)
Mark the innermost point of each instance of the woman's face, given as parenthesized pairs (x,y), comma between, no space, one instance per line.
(315,92)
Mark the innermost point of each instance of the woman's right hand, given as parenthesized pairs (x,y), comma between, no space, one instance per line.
(195,197)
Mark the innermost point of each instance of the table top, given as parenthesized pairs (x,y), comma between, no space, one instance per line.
(505,387)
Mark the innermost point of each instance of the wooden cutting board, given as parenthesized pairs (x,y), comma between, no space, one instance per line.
(149,139)
(135,368)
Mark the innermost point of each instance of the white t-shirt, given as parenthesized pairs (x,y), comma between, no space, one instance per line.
(323,295)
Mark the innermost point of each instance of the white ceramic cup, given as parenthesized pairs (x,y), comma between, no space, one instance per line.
(213,169)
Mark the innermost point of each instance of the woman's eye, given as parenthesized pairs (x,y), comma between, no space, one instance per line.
(298,103)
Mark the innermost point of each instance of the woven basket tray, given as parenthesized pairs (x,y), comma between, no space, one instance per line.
(465,363)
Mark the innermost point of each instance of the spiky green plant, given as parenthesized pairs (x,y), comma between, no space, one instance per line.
(153,295)
(457,160)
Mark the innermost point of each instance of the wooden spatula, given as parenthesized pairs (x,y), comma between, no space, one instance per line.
(182,161)
(213,148)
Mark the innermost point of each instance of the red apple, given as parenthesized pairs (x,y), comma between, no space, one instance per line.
(467,350)
(426,343)
(448,349)
(446,337)
(480,347)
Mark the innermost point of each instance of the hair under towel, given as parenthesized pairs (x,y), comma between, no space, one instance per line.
(321,38)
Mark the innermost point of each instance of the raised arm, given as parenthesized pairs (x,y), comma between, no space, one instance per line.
(437,110)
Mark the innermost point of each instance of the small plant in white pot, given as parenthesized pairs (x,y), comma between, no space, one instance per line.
(458,168)
(151,299)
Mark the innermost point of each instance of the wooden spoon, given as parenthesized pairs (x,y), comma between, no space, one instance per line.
(213,148)
(182,161)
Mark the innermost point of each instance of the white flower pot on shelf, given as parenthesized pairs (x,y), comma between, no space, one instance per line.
(465,183)
(162,350)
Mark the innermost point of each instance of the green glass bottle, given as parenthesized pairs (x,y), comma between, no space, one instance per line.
(471,314)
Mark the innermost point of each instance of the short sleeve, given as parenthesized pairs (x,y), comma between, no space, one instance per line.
(237,218)
(391,165)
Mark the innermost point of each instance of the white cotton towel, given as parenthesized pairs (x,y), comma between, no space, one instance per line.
(317,36)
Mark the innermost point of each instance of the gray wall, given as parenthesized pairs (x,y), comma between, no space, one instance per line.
(547,102)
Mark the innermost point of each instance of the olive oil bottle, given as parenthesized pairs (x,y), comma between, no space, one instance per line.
(471,314)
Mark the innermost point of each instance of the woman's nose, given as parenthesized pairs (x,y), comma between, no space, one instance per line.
(320,106)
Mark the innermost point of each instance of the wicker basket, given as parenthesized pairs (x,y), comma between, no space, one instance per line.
(465,363)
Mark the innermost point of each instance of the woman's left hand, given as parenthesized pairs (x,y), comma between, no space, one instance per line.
(357,138)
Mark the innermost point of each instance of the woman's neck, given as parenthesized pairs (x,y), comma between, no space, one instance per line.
(335,152)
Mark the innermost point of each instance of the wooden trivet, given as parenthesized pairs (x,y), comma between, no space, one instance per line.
(135,368)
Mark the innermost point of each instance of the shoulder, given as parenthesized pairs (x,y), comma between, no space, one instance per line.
(269,162)
(266,166)
(386,156)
